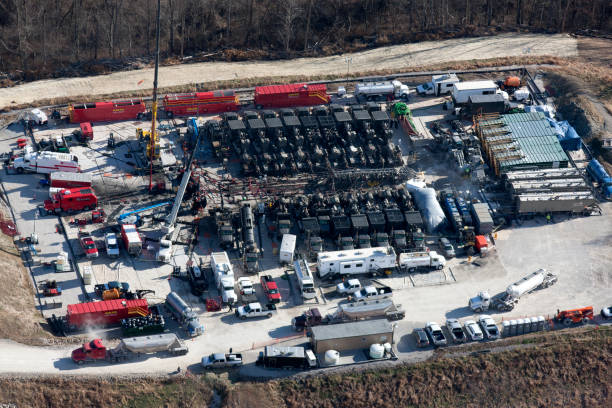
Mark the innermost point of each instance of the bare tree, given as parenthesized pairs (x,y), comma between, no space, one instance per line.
(289,12)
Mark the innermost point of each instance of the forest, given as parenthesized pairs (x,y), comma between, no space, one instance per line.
(49,38)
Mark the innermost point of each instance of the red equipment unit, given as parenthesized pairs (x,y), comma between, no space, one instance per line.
(270,289)
(86,131)
(106,111)
(198,103)
(280,96)
(106,312)
(480,243)
(74,199)
(64,179)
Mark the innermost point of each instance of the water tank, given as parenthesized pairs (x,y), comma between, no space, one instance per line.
(387,347)
(377,351)
(426,201)
(331,357)
(541,323)
(513,325)
(506,328)
(534,324)
(520,326)
(526,284)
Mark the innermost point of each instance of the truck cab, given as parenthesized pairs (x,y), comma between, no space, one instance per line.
(94,350)
(270,289)
(480,302)
(311,317)
(88,245)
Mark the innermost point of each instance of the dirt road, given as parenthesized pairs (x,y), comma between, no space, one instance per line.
(394,57)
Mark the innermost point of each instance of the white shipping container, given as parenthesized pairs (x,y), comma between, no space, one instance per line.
(287,248)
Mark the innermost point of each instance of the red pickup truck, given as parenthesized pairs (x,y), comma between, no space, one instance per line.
(88,245)
(270,289)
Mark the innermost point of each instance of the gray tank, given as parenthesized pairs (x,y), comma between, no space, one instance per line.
(179,307)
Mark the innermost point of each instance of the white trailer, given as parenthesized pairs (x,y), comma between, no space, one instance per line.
(356,261)
(439,85)
(390,89)
(224,276)
(463,90)
(412,261)
(305,280)
(287,248)
(506,301)
(46,162)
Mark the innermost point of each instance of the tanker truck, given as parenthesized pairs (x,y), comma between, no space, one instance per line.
(506,301)
(95,350)
(184,314)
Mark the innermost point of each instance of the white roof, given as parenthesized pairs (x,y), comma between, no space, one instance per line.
(464,86)
(131,232)
(220,257)
(354,254)
(444,77)
(288,242)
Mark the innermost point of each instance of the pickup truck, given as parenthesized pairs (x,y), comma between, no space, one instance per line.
(270,289)
(435,332)
(247,291)
(112,247)
(350,286)
(220,360)
(371,293)
(255,310)
(88,245)
(455,330)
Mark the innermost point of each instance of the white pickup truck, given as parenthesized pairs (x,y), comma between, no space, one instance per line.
(255,310)
(350,286)
(371,293)
(220,360)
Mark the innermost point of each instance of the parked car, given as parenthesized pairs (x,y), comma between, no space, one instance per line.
(606,312)
(435,333)
(446,248)
(112,247)
(473,330)
(421,337)
(489,327)
(455,330)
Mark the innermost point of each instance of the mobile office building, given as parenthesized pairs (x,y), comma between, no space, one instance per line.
(287,248)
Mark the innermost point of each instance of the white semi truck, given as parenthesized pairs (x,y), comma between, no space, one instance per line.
(506,301)
(46,162)
(439,85)
(389,89)
(224,276)
(412,261)
(356,261)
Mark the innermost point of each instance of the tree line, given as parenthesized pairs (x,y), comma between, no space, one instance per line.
(44,36)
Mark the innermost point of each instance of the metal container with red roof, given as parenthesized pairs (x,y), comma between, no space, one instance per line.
(105,313)
(279,96)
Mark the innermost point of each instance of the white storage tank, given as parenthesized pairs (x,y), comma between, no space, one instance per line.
(287,248)
(377,351)
(505,328)
(534,324)
(527,284)
(541,322)
(331,357)
(513,325)
(387,347)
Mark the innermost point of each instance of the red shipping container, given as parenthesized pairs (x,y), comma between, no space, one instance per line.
(198,103)
(280,96)
(106,111)
(63,179)
(106,312)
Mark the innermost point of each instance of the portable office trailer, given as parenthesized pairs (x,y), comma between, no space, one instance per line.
(356,261)
(350,336)
(287,248)
(463,90)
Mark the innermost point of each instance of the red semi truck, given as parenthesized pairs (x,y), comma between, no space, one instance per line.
(197,103)
(69,200)
(106,111)
(105,313)
(63,179)
(279,96)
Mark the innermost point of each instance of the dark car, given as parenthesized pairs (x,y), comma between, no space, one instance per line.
(420,336)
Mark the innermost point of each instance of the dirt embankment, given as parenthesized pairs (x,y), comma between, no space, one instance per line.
(19,320)
(395,58)
(562,369)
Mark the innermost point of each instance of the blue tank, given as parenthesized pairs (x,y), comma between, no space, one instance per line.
(464,210)
(601,176)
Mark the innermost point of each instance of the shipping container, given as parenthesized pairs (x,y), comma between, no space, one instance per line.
(106,111)
(197,103)
(482,218)
(63,179)
(291,95)
(131,239)
(106,312)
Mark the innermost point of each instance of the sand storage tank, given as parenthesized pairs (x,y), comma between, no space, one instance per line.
(377,351)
